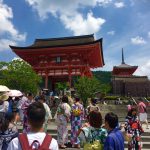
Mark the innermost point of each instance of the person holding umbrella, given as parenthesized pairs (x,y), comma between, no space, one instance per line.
(15,96)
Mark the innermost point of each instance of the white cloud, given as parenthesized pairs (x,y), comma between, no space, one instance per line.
(111,32)
(104,2)
(119,4)
(68,13)
(138,40)
(4,44)
(7,28)
(144,69)
(149,34)
(79,25)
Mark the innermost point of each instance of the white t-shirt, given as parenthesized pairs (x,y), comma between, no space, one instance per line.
(48,112)
(4,107)
(15,144)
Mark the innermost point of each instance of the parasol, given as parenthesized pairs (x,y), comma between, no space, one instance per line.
(15,93)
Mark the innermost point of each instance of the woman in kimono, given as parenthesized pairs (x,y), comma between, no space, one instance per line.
(133,130)
(63,116)
(77,115)
(25,105)
(92,132)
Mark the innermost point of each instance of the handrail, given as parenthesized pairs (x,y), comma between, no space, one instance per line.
(134,100)
(146,99)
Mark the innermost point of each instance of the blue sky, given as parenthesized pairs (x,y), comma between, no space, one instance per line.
(121,24)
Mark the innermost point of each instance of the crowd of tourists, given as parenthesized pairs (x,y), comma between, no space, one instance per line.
(88,128)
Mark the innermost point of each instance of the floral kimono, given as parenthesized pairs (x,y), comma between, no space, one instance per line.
(133,129)
(63,115)
(26,127)
(91,134)
(77,115)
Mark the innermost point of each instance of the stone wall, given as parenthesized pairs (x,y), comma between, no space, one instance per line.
(135,87)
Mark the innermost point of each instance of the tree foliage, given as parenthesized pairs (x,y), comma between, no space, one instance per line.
(3,65)
(103,76)
(86,88)
(18,74)
(105,88)
(62,86)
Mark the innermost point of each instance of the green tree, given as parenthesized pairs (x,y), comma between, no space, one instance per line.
(86,88)
(62,86)
(103,76)
(105,88)
(18,74)
(3,65)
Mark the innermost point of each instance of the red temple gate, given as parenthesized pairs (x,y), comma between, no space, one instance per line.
(61,58)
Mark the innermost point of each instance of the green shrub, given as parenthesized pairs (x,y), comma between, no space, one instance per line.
(111,97)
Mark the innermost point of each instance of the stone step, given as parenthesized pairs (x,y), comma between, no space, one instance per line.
(145,135)
(145,145)
(127,149)
(144,138)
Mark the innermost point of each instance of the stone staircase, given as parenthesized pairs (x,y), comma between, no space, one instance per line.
(52,129)
(120,110)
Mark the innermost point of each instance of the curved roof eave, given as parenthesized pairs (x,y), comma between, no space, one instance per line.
(36,47)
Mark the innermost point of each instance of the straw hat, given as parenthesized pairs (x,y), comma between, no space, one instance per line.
(4,88)
(4,97)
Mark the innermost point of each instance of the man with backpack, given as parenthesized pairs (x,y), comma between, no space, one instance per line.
(36,138)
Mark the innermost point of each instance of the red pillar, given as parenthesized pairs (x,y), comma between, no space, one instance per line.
(69,57)
(69,73)
(46,81)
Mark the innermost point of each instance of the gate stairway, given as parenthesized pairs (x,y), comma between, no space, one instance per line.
(52,129)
